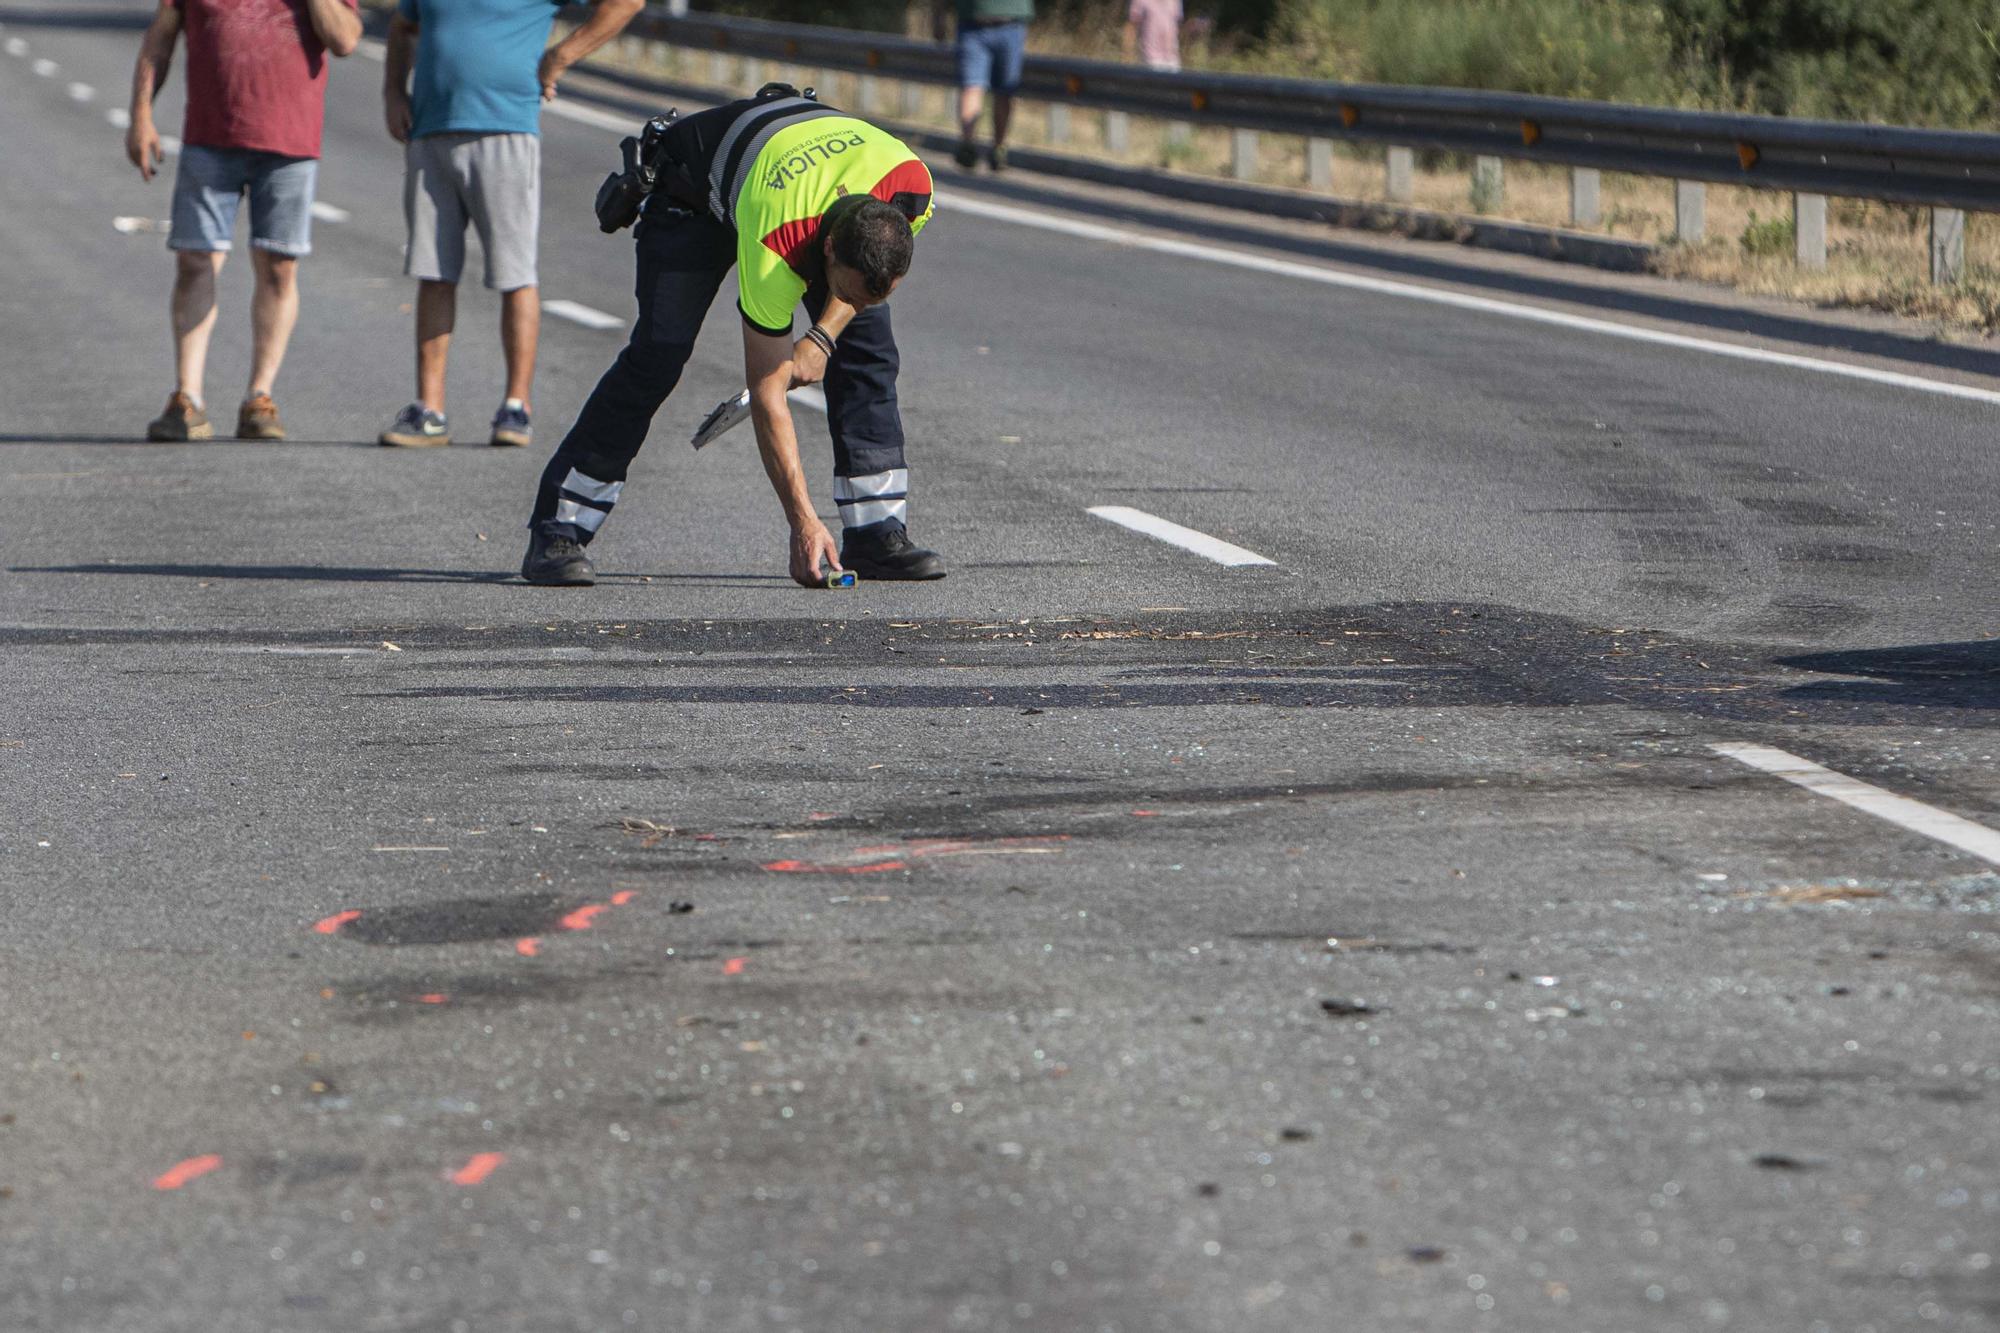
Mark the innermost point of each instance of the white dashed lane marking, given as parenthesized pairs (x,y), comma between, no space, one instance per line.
(16,48)
(1214,548)
(119,117)
(326,212)
(1915,816)
(45,69)
(588,316)
(81,92)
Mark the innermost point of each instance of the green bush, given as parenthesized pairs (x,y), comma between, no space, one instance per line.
(1924,62)
(1770,237)
(1560,48)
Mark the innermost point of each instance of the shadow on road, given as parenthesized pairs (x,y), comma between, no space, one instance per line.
(1939,675)
(71,16)
(364,574)
(222,441)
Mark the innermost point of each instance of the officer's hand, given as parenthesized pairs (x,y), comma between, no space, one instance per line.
(808,363)
(552,68)
(142,145)
(397,115)
(812,544)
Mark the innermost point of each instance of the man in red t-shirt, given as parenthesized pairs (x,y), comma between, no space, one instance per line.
(256,98)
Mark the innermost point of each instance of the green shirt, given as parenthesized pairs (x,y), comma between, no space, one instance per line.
(994,11)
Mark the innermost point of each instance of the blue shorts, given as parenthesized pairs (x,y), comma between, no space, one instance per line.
(211,185)
(990,56)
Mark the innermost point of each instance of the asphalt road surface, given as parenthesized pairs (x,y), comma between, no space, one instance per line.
(1104,938)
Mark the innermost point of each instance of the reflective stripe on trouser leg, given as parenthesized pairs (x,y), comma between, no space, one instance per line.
(586,501)
(874,498)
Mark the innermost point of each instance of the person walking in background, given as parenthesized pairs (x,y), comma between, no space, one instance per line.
(470,121)
(1153,33)
(256,100)
(992,39)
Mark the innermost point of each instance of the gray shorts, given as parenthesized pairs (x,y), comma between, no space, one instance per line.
(209,190)
(493,181)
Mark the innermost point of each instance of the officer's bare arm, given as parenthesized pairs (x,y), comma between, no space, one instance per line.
(768,371)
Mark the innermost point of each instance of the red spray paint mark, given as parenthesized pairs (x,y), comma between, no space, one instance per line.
(482,1165)
(432,998)
(818,815)
(809,868)
(528,948)
(336,921)
(580,918)
(181,1173)
(734,967)
(1145,814)
(623,896)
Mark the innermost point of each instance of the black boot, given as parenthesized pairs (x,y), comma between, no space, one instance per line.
(556,562)
(884,551)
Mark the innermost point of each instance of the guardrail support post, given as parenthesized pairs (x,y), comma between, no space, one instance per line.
(718,69)
(864,94)
(1117,132)
(1243,154)
(911,100)
(1319,163)
(1058,123)
(1947,245)
(1488,184)
(1809,230)
(1690,211)
(1402,186)
(1584,187)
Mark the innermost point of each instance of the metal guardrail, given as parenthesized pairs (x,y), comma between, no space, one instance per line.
(1947,171)
(1940,168)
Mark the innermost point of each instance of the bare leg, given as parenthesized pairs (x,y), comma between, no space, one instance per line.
(1003,116)
(520,330)
(970,102)
(437,314)
(273,312)
(194,315)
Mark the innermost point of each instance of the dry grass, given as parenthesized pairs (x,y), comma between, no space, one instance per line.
(1877,255)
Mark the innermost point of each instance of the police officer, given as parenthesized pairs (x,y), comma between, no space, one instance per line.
(808,204)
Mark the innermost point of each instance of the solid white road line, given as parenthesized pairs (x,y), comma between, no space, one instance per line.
(81,92)
(1092,231)
(326,212)
(590,115)
(1222,552)
(810,395)
(119,117)
(1899,810)
(45,68)
(582,314)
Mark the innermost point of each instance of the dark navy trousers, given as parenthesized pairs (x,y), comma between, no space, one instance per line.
(683,258)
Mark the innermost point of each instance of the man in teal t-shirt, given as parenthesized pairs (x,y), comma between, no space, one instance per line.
(471,121)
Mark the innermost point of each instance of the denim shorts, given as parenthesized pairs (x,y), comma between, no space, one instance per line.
(990,56)
(211,184)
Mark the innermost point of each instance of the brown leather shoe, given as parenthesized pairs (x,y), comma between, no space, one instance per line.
(257,419)
(180,422)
